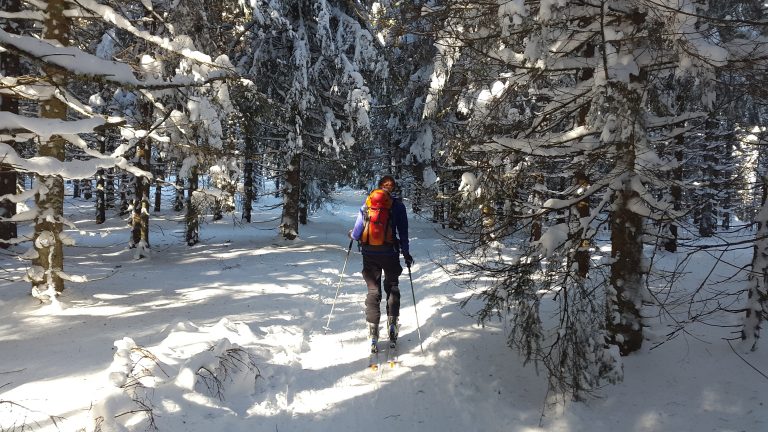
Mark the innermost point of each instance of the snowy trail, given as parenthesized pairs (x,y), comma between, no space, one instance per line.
(272,297)
(333,389)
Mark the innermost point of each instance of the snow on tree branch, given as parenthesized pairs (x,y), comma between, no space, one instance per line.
(76,169)
(48,127)
(111,16)
(79,62)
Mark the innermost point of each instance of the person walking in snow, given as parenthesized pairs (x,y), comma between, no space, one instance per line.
(381,230)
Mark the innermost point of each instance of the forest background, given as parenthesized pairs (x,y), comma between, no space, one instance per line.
(527,129)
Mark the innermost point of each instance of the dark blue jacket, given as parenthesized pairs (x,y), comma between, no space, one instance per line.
(399,219)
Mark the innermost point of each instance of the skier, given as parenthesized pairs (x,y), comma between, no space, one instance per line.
(382,232)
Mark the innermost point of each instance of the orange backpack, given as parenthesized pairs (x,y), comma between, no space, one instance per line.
(378,228)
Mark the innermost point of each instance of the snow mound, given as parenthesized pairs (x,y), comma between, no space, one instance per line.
(195,379)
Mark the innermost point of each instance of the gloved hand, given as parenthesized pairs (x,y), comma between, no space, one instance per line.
(349,234)
(408,259)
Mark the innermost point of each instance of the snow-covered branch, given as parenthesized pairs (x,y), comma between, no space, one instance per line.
(80,63)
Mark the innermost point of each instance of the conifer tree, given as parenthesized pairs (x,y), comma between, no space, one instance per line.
(49,260)
(68,72)
(311,58)
(560,92)
(9,66)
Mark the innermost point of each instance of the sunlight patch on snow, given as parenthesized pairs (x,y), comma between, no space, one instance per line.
(287,288)
(49,309)
(146,292)
(311,261)
(285,342)
(9,333)
(101,310)
(427,307)
(462,295)
(200,399)
(196,261)
(291,277)
(716,402)
(183,336)
(326,350)
(446,353)
(170,406)
(162,304)
(110,296)
(196,294)
(316,401)
(37,397)
(135,420)
(650,421)
(270,407)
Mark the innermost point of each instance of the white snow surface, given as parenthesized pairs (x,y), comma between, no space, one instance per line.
(244,288)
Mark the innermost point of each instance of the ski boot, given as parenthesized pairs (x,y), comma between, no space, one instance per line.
(373,333)
(393,327)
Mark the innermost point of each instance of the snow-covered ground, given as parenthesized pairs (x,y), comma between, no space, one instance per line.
(260,303)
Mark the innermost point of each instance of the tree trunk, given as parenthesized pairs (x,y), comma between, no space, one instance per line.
(303,203)
(158,195)
(708,219)
(247,197)
(728,192)
(109,189)
(125,193)
(711,171)
(178,202)
(438,208)
(455,219)
(101,204)
(49,199)
(417,188)
(488,222)
(218,213)
(756,309)
(289,225)
(676,191)
(193,216)
(87,189)
(9,66)
(140,216)
(248,186)
(624,322)
(537,225)
(159,172)
(624,293)
(582,208)
(277,187)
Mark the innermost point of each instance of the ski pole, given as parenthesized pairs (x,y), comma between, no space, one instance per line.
(413,293)
(343,269)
